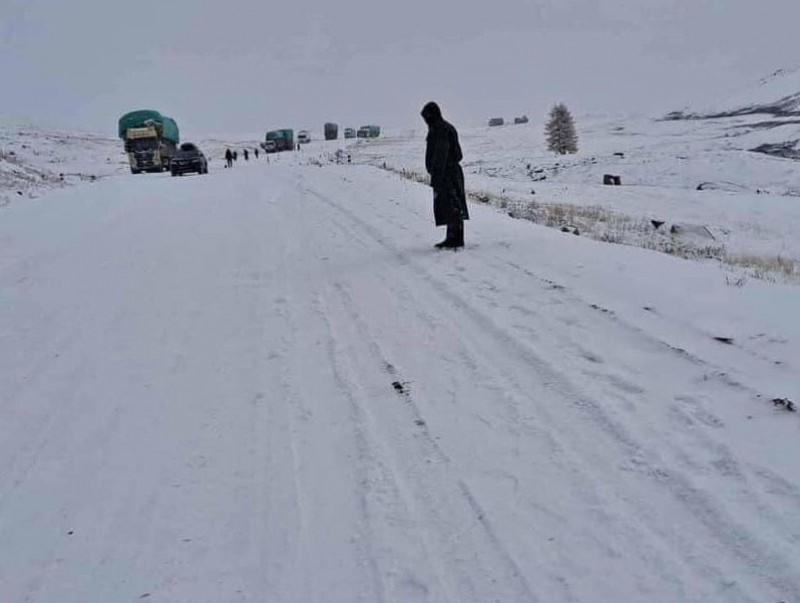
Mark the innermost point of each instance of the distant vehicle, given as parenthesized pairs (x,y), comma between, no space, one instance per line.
(368,132)
(303,137)
(269,146)
(150,140)
(496,121)
(349,133)
(521,120)
(283,139)
(188,159)
(331,131)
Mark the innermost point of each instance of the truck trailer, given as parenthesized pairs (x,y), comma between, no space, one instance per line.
(331,131)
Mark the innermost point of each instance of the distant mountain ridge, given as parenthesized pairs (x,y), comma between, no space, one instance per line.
(777,95)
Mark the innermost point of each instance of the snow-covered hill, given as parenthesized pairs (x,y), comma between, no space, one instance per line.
(34,161)
(778,95)
(767,115)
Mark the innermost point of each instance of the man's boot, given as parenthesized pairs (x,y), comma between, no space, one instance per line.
(448,239)
(457,239)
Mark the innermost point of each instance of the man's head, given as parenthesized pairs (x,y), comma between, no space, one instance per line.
(431,113)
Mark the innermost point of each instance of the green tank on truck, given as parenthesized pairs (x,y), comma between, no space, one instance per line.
(150,139)
(369,132)
(283,139)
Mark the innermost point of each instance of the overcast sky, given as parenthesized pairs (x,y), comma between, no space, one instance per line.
(239,67)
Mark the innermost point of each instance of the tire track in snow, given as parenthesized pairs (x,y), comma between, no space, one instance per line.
(365,452)
(560,456)
(321,430)
(772,568)
(440,502)
(468,496)
(440,485)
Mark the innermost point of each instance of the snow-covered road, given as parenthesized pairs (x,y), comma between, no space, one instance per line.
(264,385)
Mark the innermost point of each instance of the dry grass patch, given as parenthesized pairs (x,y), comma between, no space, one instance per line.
(596,222)
(766,267)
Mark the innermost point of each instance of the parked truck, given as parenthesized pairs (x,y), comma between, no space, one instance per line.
(283,140)
(331,131)
(369,132)
(150,140)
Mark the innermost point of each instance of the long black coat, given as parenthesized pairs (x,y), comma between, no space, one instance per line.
(442,157)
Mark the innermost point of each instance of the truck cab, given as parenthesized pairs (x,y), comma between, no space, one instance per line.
(150,140)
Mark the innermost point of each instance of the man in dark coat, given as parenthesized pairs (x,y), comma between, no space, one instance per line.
(228,158)
(442,157)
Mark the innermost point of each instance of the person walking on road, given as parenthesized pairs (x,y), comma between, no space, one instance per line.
(228,158)
(246,155)
(442,157)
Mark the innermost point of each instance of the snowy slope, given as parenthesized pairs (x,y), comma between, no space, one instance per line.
(747,212)
(777,94)
(264,385)
(34,161)
(766,115)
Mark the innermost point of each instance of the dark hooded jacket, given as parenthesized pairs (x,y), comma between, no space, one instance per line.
(442,157)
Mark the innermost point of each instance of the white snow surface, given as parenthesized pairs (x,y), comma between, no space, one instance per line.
(265,385)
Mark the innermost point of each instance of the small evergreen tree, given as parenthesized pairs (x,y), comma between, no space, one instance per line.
(560,130)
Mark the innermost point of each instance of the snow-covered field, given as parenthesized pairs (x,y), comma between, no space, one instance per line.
(264,385)
(749,210)
(34,161)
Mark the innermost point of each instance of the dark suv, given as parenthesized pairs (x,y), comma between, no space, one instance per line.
(188,159)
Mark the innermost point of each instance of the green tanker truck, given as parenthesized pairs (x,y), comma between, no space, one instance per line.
(279,140)
(150,139)
(369,132)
